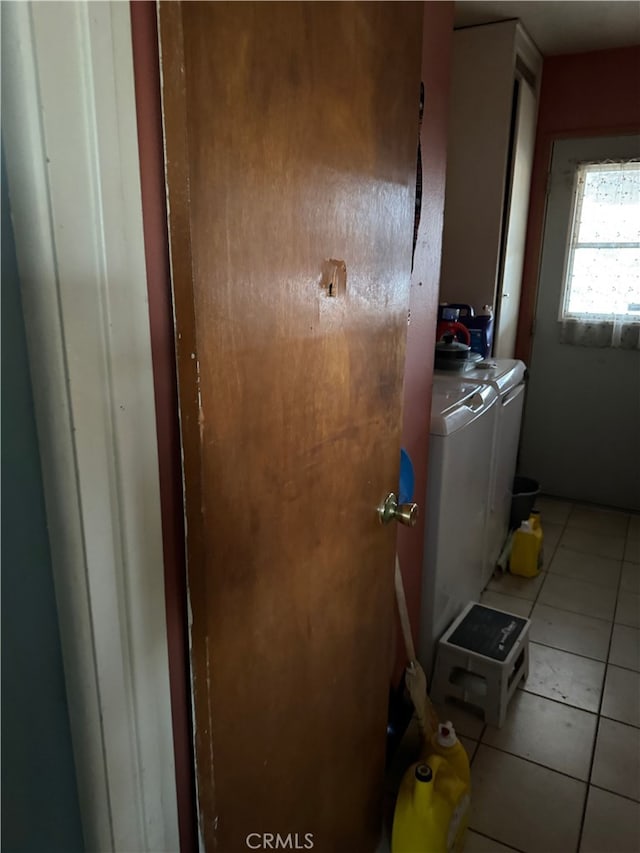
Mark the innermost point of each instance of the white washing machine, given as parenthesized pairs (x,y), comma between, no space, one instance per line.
(462,434)
(507,377)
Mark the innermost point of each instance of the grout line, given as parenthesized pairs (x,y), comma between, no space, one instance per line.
(592,505)
(480,736)
(578,553)
(553,553)
(618,722)
(549,559)
(575,549)
(575,612)
(559,701)
(615,793)
(619,665)
(475,750)
(567,651)
(557,574)
(604,684)
(624,624)
(607,665)
(584,782)
(497,840)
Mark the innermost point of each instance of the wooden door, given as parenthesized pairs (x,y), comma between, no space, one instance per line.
(291,134)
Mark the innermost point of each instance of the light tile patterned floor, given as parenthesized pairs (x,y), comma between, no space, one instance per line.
(563,773)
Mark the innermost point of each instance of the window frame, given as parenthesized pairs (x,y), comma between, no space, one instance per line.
(564,314)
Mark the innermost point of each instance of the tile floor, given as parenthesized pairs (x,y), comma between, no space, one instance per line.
(563,773)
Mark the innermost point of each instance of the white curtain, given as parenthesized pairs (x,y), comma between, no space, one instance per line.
(615,332)
(601,300)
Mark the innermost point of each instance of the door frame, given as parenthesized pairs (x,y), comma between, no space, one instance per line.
(69,130)
(608,369)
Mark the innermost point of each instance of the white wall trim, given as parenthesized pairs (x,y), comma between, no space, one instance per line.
(69,129)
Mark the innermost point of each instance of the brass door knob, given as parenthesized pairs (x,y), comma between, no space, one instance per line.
(391,510)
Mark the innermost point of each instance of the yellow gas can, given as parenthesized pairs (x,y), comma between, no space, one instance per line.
(526,549)
(432,809)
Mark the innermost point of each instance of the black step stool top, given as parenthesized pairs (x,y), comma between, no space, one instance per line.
(488,632)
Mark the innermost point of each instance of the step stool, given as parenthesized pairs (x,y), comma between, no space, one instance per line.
(481,659)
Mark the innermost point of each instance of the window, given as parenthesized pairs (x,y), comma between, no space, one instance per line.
(602,277)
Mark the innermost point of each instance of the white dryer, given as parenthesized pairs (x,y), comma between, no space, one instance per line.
(507,377)
(462,434)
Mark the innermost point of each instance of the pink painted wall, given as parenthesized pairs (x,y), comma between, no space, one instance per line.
(583,94)
(425,283)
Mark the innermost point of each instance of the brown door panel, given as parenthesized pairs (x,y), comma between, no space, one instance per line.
(291,134)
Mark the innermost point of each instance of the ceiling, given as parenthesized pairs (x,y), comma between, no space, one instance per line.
(561,26)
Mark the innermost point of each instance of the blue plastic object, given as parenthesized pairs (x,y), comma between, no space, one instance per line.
(407,478)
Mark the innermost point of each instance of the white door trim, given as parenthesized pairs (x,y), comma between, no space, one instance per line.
(69,130)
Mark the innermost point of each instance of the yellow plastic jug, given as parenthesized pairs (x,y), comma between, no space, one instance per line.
(432,809)
(444,742)
(526,549)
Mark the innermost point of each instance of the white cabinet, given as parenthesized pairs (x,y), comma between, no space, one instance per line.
(494,100)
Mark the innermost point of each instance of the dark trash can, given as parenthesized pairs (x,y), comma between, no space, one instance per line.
(525,492)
